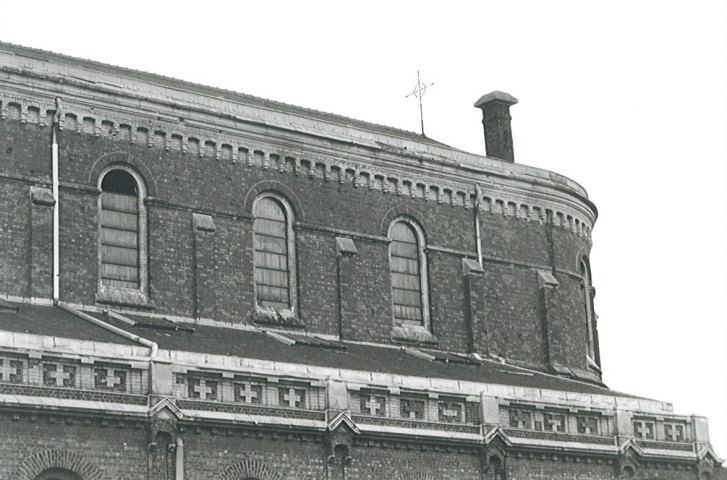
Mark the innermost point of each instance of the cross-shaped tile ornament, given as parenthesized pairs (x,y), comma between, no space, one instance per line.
(554,422)
(109,377)
(644,429)
(519,419)
(202,389)
(59,375)
(412,409)
(10,370)
(587,425)
(674,432)
(292,398)
(246,393)
(373,405)
(449,412)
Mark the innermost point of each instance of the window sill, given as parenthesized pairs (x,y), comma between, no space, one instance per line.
(412,335)
(123,297)
(592,364)
(276,318)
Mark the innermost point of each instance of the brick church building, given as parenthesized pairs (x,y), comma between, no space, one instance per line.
(200,284)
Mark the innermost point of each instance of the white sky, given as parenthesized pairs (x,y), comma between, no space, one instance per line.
(627,98)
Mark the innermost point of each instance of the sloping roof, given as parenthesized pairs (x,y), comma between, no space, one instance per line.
(52,321)
(220,93)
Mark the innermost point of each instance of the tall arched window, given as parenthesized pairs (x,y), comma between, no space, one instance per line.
(121,230)
(587,301)
(274,253)
(407,263)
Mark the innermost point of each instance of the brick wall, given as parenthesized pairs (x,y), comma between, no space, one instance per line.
(180,184)
(99,448)
(375,462)
(116,451)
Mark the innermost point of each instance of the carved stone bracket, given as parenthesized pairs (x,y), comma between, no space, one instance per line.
(342,429)
(164,416)
(493,457)
(627,462)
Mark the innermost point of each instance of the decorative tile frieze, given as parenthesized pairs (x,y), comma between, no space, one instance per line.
(291,397)
(412,408)
(520,418)
(82,374)
(249,390)
(556,420)
(587,424)
(675,431)
(661,430)
(372,404)
(645,429)
(450,412)
(110,378)
(202,388)
(11,370)
(59,374)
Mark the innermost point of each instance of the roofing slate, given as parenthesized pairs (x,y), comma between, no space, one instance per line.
(198,338)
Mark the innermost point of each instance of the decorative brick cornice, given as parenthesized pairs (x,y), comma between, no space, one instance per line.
(527,196)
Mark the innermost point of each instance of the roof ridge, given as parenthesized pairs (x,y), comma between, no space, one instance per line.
(264,102)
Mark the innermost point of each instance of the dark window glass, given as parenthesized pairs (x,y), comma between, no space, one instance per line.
(271,254)
(120,230)
(406,284)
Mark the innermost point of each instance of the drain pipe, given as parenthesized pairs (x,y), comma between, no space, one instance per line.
(478,238)
(179,460)
(56,215)
(135,338)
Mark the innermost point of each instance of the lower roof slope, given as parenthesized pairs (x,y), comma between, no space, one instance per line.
(257,344)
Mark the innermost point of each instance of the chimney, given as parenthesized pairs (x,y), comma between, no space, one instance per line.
(496,120)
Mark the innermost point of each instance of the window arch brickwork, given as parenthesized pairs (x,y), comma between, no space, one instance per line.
(39,462)
(249,469)
(283,190)
(103,164)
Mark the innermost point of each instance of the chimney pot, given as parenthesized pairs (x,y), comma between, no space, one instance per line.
(496,120)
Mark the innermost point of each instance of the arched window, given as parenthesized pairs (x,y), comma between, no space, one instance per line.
(274,253)
(122,234)
(587,302)
(408,266)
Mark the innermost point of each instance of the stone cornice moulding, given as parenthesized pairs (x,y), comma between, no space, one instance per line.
(77,78)
(515,394)
(512,195)
(191,360)
(74,348)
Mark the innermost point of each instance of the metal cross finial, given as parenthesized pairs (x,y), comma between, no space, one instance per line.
(419,91)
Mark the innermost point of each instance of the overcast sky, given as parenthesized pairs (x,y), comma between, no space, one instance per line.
(628,98)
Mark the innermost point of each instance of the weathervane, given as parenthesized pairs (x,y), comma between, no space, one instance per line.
(418,92)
